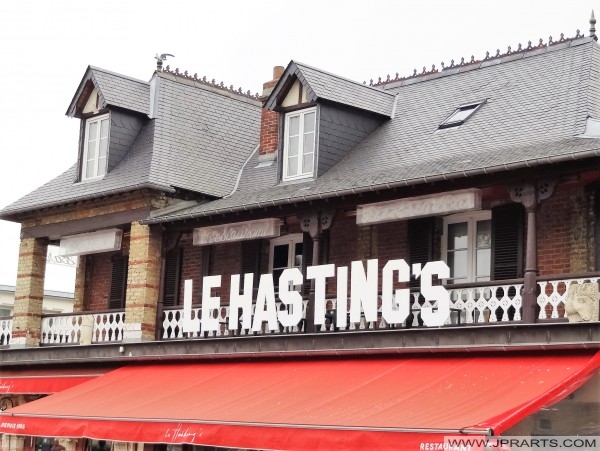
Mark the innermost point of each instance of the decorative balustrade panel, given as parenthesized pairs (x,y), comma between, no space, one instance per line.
(489,304)
(108,327)
(172,324)
(553,294)
(72,328)
(5,331)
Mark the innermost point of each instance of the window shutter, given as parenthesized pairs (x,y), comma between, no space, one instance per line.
(172,278)
(118,282)
(420,243)
(307,259)
(507,241)
(251,261)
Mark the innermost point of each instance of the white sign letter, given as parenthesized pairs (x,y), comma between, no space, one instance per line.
(320,273)
(265,310)
(210,303)
(395,306)
(188,324)
(430,293)
(241,301)
(363,291)
(341,313)
(290,298)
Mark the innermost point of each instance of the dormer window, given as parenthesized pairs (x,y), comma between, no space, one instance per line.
(460,115)
(299,144)
(95,148)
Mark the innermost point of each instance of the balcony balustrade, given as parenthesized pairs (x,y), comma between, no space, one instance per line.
(470,304)
(96,327)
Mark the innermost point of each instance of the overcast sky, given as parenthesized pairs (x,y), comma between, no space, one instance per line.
(47,46)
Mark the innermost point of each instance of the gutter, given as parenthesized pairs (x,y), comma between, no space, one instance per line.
(573,156)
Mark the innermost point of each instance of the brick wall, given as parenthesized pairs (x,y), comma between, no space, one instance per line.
(29,292)
(98,277)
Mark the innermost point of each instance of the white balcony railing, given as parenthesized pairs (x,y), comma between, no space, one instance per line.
(488,303)
(5,331)
(77,327)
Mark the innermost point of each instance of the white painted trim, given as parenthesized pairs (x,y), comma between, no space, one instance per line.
(300,114)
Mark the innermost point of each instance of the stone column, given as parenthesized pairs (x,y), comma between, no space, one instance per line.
(530,195)
(29,293)
(12,442)
(143,283)
(78,296)
(315,224)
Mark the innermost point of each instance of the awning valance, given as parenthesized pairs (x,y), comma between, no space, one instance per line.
(367,403)
(46,380)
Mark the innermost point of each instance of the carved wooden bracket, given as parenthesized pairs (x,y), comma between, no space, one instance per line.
(530,194)
(316,222)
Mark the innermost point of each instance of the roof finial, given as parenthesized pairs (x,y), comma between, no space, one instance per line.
(159,60)
(593,27)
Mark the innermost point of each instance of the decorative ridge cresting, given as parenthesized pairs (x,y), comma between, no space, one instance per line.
(212,83)
(453,65)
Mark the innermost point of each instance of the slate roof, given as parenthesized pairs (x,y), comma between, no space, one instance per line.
(115,90)
(197,142)
(323,85)
(537,104)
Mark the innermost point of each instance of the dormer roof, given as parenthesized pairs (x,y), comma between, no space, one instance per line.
(113,90)
(198,138)
(320,84)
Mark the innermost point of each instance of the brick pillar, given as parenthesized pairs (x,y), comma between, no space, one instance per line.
(29,293)
(269,120)
(78,299)
(143,283)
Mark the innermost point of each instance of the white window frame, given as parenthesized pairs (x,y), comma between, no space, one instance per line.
(471,218)
(84,159)
(291,241)
(301,173)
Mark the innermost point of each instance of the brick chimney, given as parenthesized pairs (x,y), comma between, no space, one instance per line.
(269,121)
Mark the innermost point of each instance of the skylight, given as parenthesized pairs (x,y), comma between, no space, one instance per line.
(460,115)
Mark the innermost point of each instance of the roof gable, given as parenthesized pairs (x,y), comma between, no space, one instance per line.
(319,84)
(110,89)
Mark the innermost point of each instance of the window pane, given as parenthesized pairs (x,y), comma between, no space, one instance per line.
(294,126)
(93,128)
(280,256)
(457,236)
(461,114)
(298,255)
(484,234)
(101,166)
(484,260)
(309,122)
(457,261)
(307,163)
(309,143)
(293,145)
(89,169)
(292,166)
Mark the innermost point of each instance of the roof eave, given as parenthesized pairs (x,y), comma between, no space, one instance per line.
(447,176)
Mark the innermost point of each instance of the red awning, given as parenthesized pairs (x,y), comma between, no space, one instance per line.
(46,380)
(368,403)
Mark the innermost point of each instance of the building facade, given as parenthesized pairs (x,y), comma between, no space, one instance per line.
(328,265)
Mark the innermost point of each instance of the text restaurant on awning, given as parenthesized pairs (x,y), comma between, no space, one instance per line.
(46,380)
(345,403)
